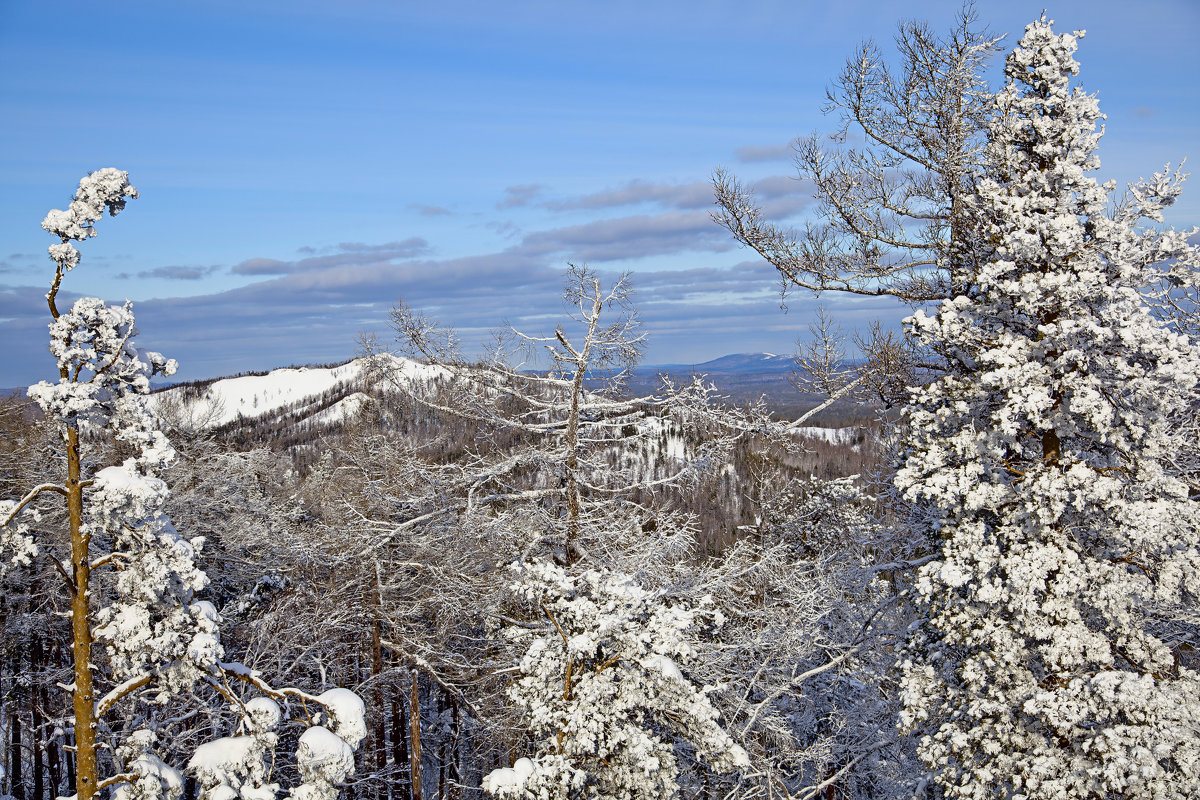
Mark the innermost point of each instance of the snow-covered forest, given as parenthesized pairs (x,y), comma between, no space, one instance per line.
(436,573)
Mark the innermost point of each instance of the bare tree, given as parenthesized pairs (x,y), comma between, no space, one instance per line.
(893,221)
(559,392)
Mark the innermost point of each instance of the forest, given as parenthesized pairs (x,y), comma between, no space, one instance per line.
(507,574)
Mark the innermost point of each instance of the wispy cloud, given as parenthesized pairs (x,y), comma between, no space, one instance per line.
(772,152)
(698,194)
(173,273)
(430,211)
(631,237)
(339,255)
(520,195)
(20,262)
(781,195)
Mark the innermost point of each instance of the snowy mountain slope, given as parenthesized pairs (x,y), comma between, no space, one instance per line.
(291,390)
(343,410)
(829,435)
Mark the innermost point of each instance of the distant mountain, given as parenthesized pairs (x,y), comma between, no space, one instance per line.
(738,363)
(741,377)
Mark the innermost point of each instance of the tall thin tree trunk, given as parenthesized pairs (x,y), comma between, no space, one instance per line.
(16,756)
(414,750)
(441,706)
(400,741)
(455,776)
(86,768)
(69,758)
(36,667)
(572,466)
(53,744)
(53,766)
(378,733)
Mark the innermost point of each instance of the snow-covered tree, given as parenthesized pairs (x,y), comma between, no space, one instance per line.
(563,474)
(592,465)
(1057,659)
(133,581)
(566,418)
(813,617)
(603,686)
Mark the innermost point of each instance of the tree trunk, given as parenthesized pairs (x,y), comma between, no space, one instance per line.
(69,759)
(86,768)
(414,750)
(378,733)
(400,741)
(15,747)
(53,746)
(441,706)
(572,465)
(1051,447)
(455,776)
(36,667)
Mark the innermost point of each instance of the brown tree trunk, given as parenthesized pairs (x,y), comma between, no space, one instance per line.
(1051,447)
(414,737)
(86,768)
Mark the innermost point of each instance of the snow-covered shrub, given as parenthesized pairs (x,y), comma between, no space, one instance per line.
(234,767)
(17,547)
(325,760)
(605,693)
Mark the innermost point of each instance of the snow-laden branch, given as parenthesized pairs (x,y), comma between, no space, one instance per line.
(795,682)
(29,498)
(839,394)
(423,665)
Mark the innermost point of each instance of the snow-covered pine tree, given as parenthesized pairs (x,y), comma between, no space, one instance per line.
(132,580)
(1054,661)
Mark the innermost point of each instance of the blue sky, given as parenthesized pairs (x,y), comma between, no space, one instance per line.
(304,165)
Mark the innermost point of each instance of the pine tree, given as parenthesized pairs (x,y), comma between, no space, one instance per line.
(1056,660)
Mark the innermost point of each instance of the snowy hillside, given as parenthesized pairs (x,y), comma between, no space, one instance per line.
(251,397)
(830,435)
